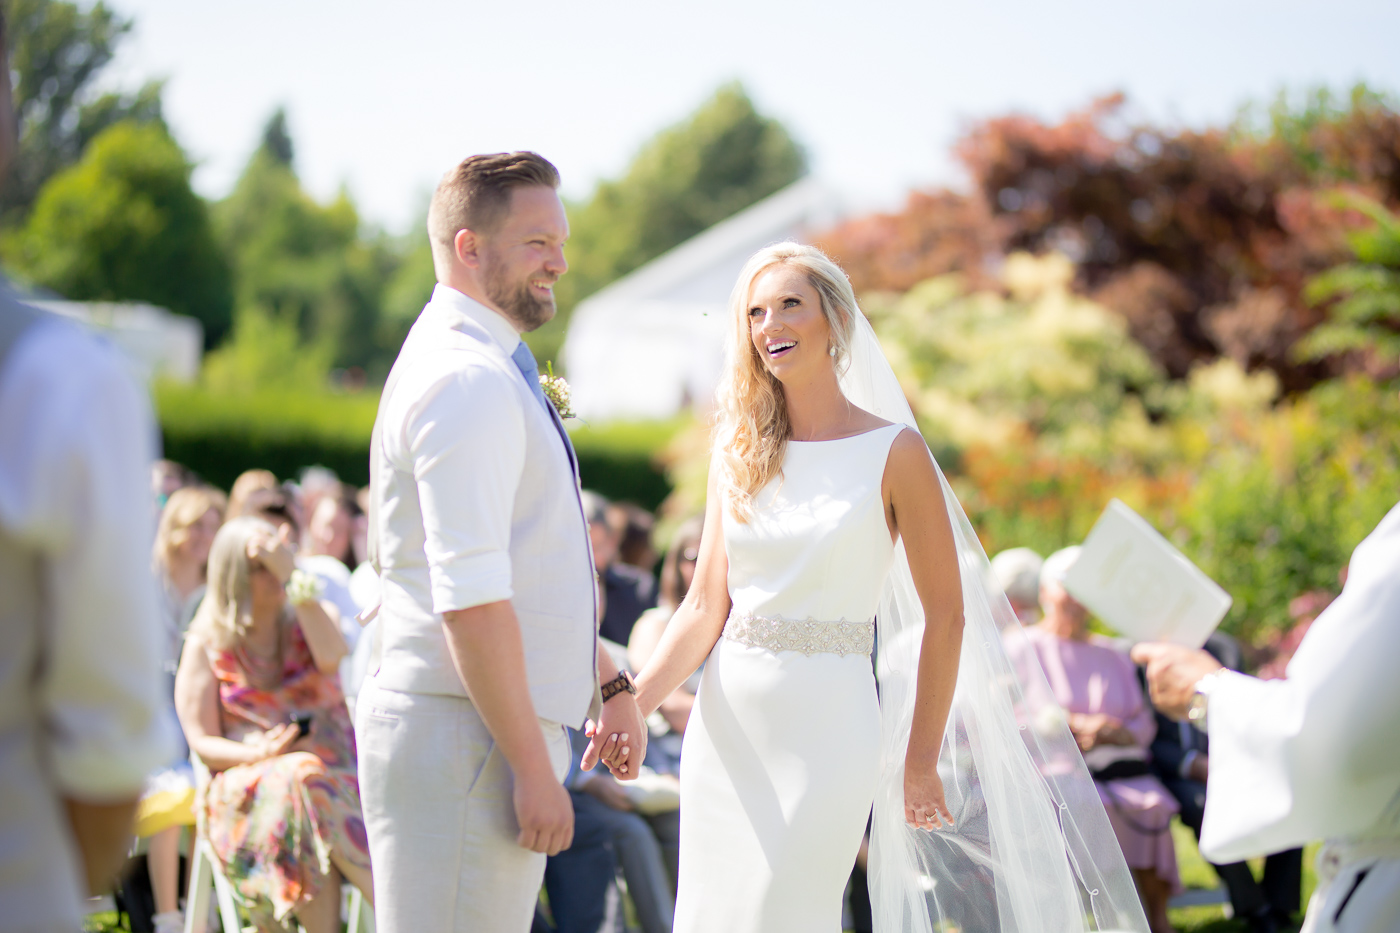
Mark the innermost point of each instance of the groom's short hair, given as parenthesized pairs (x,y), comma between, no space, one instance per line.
(476,194)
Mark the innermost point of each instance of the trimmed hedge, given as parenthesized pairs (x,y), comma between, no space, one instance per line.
(219,436)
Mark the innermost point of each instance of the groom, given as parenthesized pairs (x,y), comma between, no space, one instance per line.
(488,619)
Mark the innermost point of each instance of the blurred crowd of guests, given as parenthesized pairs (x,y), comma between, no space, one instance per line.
(262,591)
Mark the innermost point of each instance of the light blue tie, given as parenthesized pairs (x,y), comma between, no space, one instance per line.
(525,361)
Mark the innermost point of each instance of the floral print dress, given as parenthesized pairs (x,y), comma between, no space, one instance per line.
(274,823)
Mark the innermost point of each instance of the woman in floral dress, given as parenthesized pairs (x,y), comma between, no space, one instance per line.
(281,809)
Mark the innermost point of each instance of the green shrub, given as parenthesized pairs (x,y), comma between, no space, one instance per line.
(220,435)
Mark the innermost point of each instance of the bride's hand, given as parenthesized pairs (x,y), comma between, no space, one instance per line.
(618,739)
(924,805)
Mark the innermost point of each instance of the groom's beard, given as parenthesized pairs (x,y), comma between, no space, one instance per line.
(528,310)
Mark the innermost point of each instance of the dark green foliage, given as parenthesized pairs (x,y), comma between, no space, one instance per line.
(123,224)
(721,159)
(56,51)
(219,435)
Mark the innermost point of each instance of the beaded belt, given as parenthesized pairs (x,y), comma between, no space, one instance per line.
(809,636)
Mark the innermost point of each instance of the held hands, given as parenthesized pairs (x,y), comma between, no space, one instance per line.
(924,803)
(274,553)
(618,739)
(1172,674)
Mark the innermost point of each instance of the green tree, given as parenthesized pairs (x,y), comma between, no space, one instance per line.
(56,52)
(716,162)
(123,224)
(301,262)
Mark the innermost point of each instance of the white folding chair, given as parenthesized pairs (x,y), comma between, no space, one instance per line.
(205,876)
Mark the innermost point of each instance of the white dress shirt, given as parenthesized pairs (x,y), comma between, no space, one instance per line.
(1316,755)
(479,504)
(81,687)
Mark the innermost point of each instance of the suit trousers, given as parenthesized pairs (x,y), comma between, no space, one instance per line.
(439,809)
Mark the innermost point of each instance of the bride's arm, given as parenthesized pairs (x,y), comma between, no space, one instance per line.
(698,623)
(919,514)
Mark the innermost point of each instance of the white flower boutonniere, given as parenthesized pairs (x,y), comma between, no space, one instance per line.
(557,391)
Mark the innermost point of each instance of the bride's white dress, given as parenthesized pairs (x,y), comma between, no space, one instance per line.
(782,752)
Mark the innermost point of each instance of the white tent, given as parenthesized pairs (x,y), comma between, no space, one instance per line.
(652,343)
(154,341)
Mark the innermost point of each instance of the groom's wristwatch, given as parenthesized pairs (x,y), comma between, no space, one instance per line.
(622,683)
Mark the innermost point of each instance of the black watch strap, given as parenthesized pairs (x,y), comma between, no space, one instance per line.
(622,683)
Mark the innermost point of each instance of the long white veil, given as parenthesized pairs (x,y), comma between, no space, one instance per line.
(1032,849)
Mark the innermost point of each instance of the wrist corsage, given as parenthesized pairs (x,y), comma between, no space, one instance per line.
(557,391)
(302,587)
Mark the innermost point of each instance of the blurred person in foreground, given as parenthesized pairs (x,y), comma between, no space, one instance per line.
(1313,755)
(1017,572)
(1181,761)
(81,721)
(1097,685)
(261,706)
(488,621)
(188,524)
(626,591)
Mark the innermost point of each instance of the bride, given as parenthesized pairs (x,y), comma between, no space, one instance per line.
(825,513)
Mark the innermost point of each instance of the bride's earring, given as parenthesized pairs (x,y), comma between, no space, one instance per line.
(831,350)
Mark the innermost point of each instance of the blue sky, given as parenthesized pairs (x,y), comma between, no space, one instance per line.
(383,98)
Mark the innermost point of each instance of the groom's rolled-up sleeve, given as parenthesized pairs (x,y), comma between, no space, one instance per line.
(467,442)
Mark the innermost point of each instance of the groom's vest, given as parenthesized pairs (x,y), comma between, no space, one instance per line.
(551,565)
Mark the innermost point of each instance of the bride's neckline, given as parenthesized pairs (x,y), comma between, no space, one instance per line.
(831,440)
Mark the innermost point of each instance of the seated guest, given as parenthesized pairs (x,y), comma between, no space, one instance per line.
(188,524)
(248,482)
(1017,572)
(608,834)
(633,526)
(677,572)
(261,706)
(1097,686)
(327,554)
(168,476)
(1181,759)
(626,591)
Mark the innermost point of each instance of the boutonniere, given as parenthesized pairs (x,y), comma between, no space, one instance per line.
(557,391)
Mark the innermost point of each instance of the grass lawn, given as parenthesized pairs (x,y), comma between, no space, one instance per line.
(1196,874)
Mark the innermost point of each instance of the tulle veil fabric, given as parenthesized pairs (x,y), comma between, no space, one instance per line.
(1032,849)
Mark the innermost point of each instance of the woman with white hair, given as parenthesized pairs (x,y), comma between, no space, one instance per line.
(826,511)
(1097,684)
(260,702)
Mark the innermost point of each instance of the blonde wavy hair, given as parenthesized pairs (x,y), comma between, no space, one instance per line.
(226,612)
(184,508)
(751,422)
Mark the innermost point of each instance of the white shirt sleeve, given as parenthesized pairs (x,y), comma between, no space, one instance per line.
(465,438)
(74,485)
(1315,755)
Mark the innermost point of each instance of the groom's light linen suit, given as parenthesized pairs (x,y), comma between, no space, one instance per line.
(477,501)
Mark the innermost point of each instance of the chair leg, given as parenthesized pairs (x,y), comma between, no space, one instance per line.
(228,907)
(361,915)
(197,898)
